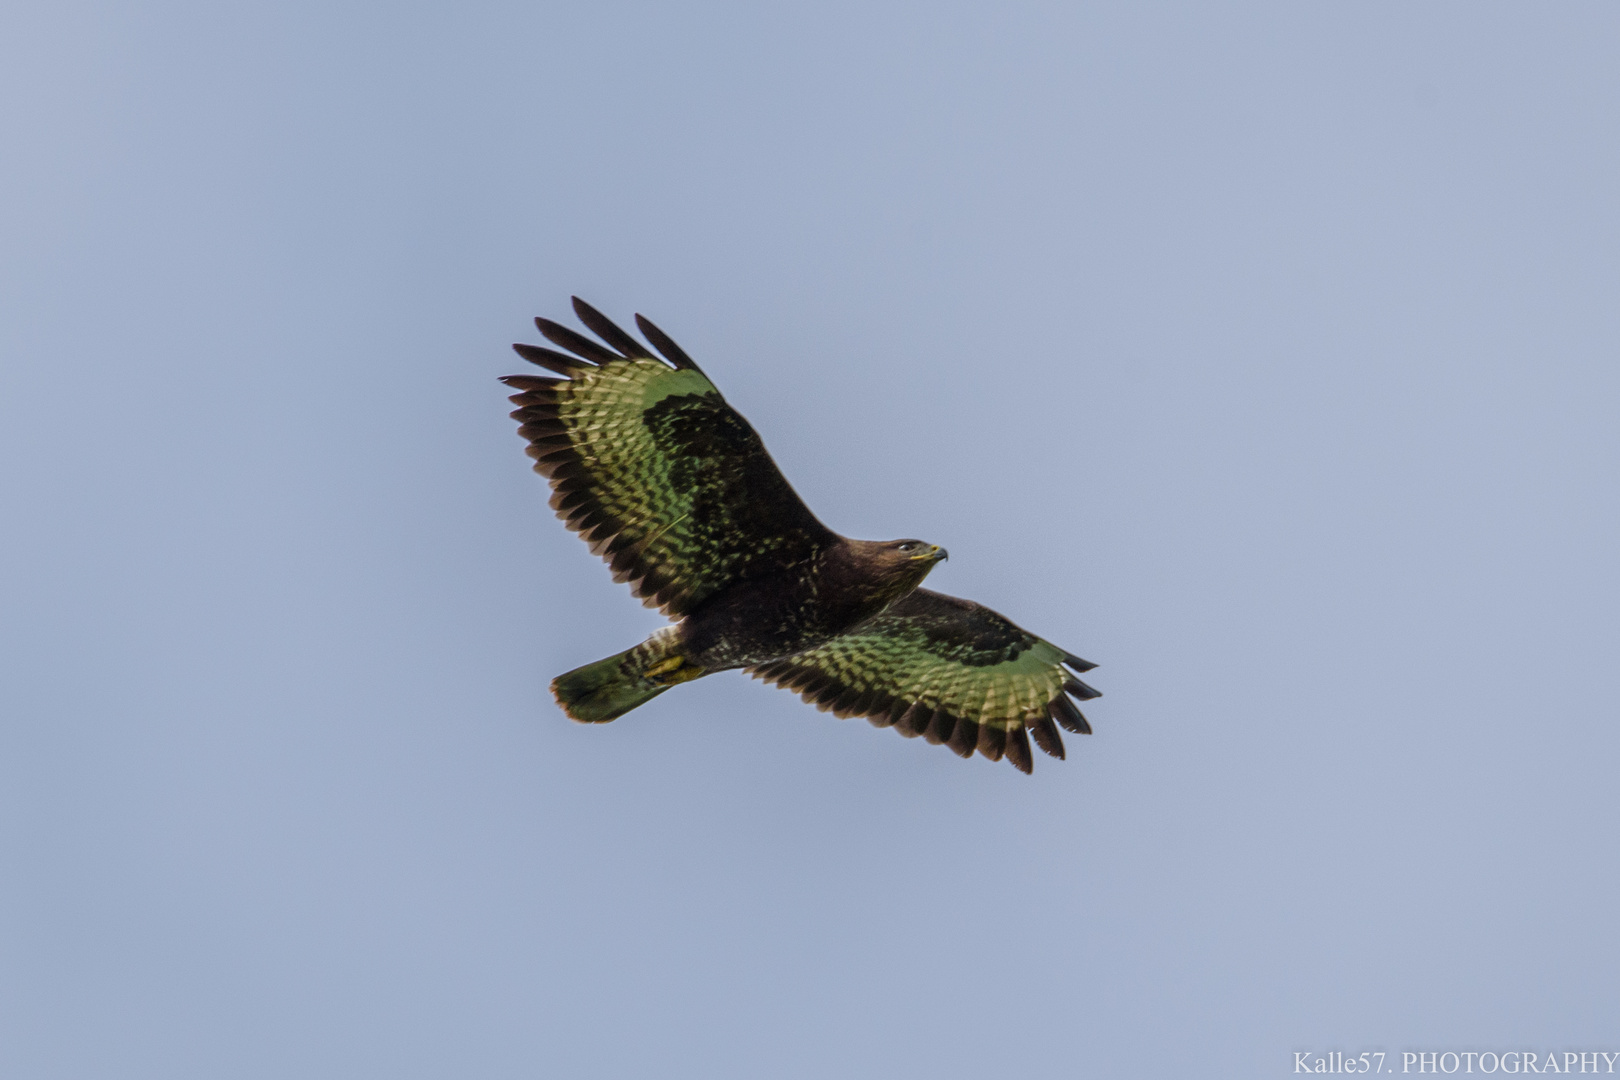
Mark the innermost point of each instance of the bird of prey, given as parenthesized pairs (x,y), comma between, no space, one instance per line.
(674,489)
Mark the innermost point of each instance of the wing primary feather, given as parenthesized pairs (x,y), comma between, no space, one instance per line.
(536,407)
(645,583)
(1063,711)
(553,459)
(992,741)
(846,701)
(666,596)
(914,721)
(1078,664)
(1081,690)
(770,672)
(625,549)
(576,343)
(565,500)
(540,429)
(605,328)
(551,360)
(547,438)
(826,695)
(567,484)
(964,738)
(568,472)
(527,415)
(664,344)
(1018,751)
(863,705)
(544,468)
(880,711)
(811,689)
(587,517)
(1046,736)
(897,708)
(794,679)
(529,382)
(941,727)
(590,517)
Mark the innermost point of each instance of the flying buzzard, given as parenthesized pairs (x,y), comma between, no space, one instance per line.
(674,489)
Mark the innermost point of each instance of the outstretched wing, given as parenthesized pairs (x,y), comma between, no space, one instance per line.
(653,469)
(949,670)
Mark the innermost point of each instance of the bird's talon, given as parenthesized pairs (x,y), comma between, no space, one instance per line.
(671,671)
(667,664)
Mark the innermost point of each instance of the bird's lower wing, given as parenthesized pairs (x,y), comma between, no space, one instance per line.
(653,469)
(950,670)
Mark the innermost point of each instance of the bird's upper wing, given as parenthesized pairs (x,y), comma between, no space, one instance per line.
(653,469)
(949,670)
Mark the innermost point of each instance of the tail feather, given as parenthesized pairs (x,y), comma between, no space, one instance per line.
(607,689)
(602,691)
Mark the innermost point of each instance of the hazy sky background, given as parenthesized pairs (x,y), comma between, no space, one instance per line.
(1265,354)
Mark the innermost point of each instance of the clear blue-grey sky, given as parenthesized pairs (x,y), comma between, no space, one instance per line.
(1264,354)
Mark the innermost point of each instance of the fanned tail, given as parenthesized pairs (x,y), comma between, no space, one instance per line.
(607,689)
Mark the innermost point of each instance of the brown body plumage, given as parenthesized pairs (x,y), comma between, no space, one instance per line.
(806,604)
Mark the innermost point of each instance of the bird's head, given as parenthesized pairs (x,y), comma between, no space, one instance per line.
(907,562)
(881,571)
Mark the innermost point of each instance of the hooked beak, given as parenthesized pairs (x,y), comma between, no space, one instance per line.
(935,553)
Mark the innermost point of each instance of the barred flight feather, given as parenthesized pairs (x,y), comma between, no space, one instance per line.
(992,741)
(662,342)
(1046,736)
(1064,712)
(964,738)
(603,327)
(1080,690)
(1018,750)
(550,359)
(577,343)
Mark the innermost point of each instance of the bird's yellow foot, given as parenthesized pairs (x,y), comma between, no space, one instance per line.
(672,670)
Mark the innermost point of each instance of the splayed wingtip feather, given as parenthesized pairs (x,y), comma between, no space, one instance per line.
(609,331)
